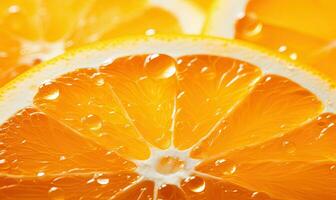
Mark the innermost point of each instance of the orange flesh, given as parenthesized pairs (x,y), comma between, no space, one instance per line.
(258,136)
(302,30)
(34,31)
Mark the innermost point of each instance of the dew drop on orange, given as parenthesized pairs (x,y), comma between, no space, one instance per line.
(92,122)
(56,193)
(160,66)
(49,91)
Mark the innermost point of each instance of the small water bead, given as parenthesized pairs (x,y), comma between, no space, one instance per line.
(56,193)
(40,174)
(207,73)
(14,9)
(62,158)
(169,165)
(103,181)
(251,26)
(293,56)
(49,91)
(282,48)
(227,167)
(289,147)
(2,161)
(259,196)
(98,79)
(160,66)
(150,32)
(196,184)
(92,122)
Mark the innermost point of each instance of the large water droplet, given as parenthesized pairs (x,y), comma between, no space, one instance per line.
(56,193)
(160,66)
(92,122)
(49,91)
(226,167)
(251,26)
(195,184)
(289,147)
(169,165)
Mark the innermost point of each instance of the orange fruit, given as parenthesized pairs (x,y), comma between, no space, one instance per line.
(32,31)
(175,117)
(299,29)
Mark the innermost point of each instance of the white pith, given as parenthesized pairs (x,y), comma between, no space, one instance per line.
(19,93)
(146,168)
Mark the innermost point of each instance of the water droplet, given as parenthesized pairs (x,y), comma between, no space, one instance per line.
(62,158)
(160,66)
(259,196)
(150,32)
(252,26)
(56,193)
(49,91)
(169,165)
(2,161)
(103,181)
(196,184)
(98,79)
(333,168)
(282,48)
(208,73)
(14,9)
(227,167)
(204,69)
(40,174)
(289,147)
(293,56)
(93,122)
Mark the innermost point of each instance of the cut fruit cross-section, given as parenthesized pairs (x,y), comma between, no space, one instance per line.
(168,118)
(298,29)
(33,31)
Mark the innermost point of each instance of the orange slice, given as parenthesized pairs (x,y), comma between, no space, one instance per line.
(175,117)
(35,31)
(301,30)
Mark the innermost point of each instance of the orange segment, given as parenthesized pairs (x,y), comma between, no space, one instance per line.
(209,87)
(313,141)
(283,180)
(312,50)
(146,87)
(86,186)
(90,108)
(204,188)
(299,29)
(310,17)
(33,144)
(275,106)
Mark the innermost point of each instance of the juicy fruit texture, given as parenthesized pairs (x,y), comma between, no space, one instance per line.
(33,31)
(252,135)
(302,30)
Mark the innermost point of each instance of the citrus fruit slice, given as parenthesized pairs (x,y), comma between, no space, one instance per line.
(168,117)
(34,31)
(301,30)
